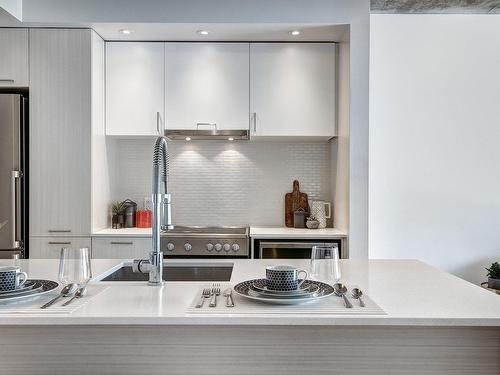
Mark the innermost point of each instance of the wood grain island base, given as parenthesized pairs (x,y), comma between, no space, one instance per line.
(220,350)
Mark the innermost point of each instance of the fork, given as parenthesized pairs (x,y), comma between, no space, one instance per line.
(204,294)
(215,292)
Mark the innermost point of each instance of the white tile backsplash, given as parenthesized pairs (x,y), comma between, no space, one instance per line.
(222,183)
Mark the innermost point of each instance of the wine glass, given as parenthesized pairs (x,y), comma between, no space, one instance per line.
(325,263)
(74,266)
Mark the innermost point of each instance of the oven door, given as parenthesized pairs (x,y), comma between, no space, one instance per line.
(289,249)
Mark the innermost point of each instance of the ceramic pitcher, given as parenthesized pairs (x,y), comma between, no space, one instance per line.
(321,210)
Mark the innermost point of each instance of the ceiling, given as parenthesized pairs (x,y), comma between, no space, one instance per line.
(222,32)
(173,20)
(279,32)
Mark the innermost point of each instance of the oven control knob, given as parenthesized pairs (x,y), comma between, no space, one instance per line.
(218,247)
(235,247)
(227,247)
(188,246)
(210,246)
(170,246)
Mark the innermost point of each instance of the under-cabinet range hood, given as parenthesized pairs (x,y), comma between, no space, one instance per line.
(231,135)
(207,134)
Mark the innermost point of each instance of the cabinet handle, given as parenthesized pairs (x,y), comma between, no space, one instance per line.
(15,175)
(254,116)
(59,242)
(206,124)
(121,243)
(6,80)
(59,230)
(158,123)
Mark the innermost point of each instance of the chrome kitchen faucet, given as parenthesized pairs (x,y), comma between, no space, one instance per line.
(162,215)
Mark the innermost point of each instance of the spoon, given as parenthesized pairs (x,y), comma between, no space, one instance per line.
(79,294)
(340,290)
(356,294)
(228,293)
(66,291)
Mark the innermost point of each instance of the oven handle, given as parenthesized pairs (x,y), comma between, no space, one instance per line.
(293,245)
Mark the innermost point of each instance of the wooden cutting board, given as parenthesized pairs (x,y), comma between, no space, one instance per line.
(295,201)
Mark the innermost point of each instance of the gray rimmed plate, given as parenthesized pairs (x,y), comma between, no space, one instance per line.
(28,286)
(245,289)
(307,289)
(40,287)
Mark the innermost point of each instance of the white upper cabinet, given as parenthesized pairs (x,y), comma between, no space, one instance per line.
(134,88)
(292,90)
(206,83)
(13,57)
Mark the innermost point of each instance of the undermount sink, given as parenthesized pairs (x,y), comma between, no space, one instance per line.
(178,272)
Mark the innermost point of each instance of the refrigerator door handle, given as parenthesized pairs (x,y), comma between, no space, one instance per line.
(15,176)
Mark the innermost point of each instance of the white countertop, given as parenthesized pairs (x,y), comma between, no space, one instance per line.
(124,232)
(283,232)
(255,232)
(411,293)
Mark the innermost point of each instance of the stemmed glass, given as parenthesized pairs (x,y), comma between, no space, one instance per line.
(325,263)
(74,266)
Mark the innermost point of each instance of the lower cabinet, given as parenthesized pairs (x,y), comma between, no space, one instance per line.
(120,247)
(50,247)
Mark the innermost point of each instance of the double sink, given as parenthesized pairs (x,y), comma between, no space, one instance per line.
(177,272)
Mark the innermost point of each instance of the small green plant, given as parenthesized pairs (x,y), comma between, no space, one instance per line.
(494,271)
(118,208)
(311,218)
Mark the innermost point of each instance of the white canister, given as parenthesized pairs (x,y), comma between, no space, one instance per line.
(321,210)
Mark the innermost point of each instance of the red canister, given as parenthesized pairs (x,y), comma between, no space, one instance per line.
(143,219)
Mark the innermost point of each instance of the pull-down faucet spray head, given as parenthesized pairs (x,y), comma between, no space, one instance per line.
(162,215)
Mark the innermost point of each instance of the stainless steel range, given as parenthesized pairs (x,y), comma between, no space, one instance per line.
(205,242)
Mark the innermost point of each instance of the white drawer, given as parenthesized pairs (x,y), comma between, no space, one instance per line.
(50,247)
(120,247)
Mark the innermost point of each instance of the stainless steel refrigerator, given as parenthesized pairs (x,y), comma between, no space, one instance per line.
(13,175)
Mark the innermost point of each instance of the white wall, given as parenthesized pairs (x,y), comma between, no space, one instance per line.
(14,7)
(99,159)
(340,145)
(434,184)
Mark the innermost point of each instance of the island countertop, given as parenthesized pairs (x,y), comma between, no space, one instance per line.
(411,293)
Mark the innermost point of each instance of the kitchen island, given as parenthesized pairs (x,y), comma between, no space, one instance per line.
(434,323)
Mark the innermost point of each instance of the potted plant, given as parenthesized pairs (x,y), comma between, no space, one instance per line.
(118,217)
(494,276)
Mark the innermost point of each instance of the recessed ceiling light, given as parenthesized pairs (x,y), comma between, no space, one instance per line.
(203,32)
(295,32)
(125,31)
(188,138)
(230,139)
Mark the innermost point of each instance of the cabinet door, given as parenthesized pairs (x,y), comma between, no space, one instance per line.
(120,248)
(206,83)
(60,121)
(50,247)
(292,89)
(13,57)
(134,88)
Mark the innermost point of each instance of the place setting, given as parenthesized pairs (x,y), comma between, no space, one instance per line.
(16,286)
(317,290)
(283,286)
(20,294)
